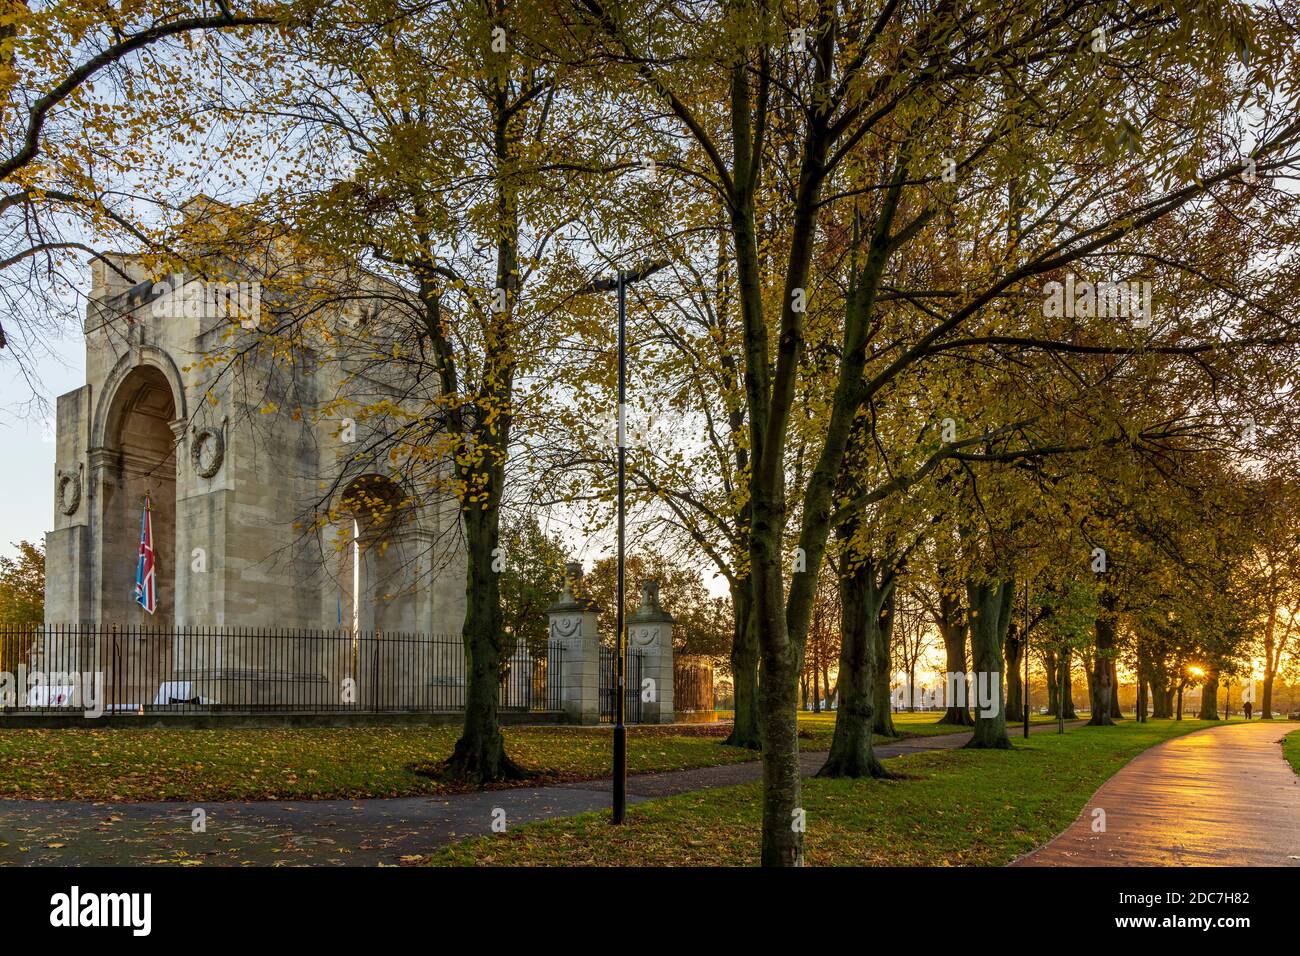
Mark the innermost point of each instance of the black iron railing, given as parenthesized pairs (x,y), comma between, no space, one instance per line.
(63,668)
(609,690)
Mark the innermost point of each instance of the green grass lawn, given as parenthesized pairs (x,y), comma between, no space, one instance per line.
(311,763)
(128,765)
(1291,749)
(354,762)
(909,725)
(950,808)
(923,724)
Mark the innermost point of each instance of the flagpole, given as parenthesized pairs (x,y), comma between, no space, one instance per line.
(146,577)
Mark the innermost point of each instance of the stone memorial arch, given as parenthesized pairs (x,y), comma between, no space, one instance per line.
(230,485)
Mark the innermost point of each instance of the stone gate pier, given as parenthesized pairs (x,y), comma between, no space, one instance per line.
(650,631)
(575,626)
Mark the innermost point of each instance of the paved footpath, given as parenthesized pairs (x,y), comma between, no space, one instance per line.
(338,832)
(1217,797)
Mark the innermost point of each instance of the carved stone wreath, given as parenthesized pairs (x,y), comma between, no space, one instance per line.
(564,628)
(642,636)
(207,451)
(69,491)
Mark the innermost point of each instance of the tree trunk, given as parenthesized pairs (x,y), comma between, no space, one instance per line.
(1088,672)
(781,622)
(816,682)
(1099,690)
(1167,700)
(480,462)
(744,670)
(860,606)
(1270,669)
(952,630)
(782,834)
(778,687)
(1115,712)
(1210,697)
(1100,682)
(990,614)
(1065,681)
(1015,682)
(1162,690)
(883,719)
(480,753)
(1053,676)
(1143,680)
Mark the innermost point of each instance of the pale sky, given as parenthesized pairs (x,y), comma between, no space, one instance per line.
(27,470)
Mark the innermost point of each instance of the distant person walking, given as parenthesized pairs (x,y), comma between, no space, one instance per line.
(1245,709)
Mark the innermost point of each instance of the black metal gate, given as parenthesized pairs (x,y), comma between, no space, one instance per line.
(609,691)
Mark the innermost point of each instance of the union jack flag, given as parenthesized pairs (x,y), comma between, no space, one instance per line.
(146,571)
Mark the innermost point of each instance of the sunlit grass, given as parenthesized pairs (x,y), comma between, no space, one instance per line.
(908,723)
(963,807)
(1291,749)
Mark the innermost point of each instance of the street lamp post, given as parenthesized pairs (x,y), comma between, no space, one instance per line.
(1024,649)
(1063,665)
(619,285)
(620,677)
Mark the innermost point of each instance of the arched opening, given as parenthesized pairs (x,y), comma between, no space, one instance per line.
(381,585)
(376,565)
(141,461)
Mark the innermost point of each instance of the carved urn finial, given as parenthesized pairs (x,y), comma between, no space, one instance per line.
(572,598)
(650,611)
